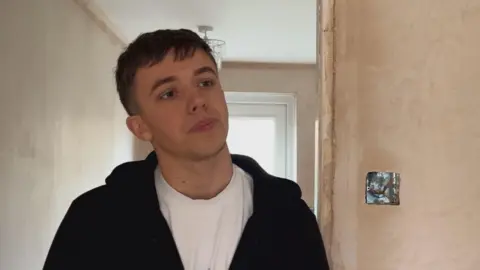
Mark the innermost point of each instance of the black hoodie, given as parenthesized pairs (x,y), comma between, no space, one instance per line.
(120,226)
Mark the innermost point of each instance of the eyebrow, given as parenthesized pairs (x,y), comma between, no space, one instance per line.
(204,69)
(199,71)
(160,82)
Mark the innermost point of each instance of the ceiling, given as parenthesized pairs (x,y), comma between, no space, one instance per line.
(255,31)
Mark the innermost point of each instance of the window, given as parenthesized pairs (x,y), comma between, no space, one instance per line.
(262,126)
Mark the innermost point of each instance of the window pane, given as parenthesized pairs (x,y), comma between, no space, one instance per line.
(254,137)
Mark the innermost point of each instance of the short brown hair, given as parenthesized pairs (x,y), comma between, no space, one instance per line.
(149,49)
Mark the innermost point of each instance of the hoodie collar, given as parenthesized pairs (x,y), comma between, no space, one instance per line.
(267,189)
(248,164)
(261,178)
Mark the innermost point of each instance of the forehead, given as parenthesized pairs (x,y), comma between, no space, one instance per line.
(170,66)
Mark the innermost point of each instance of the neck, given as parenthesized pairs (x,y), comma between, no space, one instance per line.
(197,179)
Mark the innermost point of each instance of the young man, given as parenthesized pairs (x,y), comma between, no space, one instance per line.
(190,204)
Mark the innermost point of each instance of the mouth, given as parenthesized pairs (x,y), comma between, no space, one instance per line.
(203,125)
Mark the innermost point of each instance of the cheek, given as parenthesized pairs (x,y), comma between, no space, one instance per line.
(172,127)
(167,126)
(220,102)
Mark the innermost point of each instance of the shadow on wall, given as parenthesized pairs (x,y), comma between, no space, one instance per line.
(140,149)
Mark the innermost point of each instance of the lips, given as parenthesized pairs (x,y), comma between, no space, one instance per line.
(203,125)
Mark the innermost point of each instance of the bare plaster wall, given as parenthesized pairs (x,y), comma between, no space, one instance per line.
(407,99)
(62,126)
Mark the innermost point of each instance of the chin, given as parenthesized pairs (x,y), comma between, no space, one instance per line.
(207,151)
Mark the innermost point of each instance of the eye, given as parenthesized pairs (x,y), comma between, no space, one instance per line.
(167,94)
(207,83)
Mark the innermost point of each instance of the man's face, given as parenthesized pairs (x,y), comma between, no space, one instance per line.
(182,107)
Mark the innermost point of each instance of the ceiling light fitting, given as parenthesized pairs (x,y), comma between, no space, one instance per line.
(218,46)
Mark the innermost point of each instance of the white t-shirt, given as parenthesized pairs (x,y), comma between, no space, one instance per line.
(207,232)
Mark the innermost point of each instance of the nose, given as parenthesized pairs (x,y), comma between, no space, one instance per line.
(197,103)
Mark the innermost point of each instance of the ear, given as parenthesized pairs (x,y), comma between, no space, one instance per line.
(139,128)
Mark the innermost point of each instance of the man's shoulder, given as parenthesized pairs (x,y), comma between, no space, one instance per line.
(93,202)
(122,181)
(280,188)
(96,194)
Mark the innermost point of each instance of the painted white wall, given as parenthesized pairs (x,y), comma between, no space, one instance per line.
(62,126)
